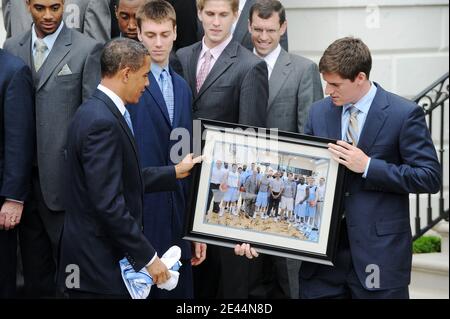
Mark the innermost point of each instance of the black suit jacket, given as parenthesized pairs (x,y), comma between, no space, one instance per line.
(236,89)
(16,127)
(104,198)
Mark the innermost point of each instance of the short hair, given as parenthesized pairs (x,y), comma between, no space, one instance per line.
(347,57)
(121,53)
(266,8)
(234,4)
(156,10)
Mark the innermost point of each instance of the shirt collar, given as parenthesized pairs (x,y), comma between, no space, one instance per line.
(49,39)
(157,70)
(272,57)
(114,97)
(363,105)
(216,51)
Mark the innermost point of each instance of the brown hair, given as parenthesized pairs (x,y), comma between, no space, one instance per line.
(266,8)
(347,57)
(156,10)
(234,4)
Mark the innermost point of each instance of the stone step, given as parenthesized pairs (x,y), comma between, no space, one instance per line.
(442,230)
(430,275)
(427,294)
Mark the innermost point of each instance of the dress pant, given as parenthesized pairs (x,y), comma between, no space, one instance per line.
(39,235)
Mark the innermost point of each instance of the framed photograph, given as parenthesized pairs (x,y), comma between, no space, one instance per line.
(280,192)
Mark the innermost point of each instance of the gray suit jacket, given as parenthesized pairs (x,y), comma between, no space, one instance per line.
(236,89)
(91,17)
(57,98)
(293,86)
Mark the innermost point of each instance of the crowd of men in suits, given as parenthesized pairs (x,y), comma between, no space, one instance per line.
(72,177)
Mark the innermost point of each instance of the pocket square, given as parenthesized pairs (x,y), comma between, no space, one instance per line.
(65,70)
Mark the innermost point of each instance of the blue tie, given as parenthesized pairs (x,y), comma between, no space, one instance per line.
(167,91)
(127,117)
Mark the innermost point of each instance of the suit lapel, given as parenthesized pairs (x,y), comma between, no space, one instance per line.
(225,60)
(114,110)
(279,75)
(196,50)
(374,121)
(25,53)
(158,97)
(334,120)
(60,49)
(242,24)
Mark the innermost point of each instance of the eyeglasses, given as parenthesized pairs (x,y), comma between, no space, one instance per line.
(261,31)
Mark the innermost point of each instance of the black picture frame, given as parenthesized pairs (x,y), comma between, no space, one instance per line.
(202,225)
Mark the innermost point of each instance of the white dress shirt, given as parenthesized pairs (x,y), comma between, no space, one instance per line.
(271,58)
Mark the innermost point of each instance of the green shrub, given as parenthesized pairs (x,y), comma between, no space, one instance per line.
(427,244)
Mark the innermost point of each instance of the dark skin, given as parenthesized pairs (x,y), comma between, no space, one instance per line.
(47,15)
(126,17)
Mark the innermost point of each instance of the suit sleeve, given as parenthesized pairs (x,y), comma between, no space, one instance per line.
(309,91)
(19,135)
(308,129)
(159,179)
(254,96)
(420,171)
(91,72)
(102,161)
(97,21)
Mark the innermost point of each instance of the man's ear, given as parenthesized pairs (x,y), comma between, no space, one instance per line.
(139,34)
(283,28)
(125,74)
(175,33)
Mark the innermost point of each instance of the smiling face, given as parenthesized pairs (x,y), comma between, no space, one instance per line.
(217,18)
(47,15)
(126,17)
(158,38)
(136,82)
(266,33)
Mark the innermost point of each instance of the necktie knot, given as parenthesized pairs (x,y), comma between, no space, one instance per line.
(39,56)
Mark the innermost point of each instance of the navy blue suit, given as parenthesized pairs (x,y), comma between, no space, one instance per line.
(17,142)
(164,213)
(104,198)
(377,229)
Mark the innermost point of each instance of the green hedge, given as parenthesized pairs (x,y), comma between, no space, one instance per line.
(427,244)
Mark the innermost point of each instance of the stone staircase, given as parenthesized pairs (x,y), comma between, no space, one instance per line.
(430,273)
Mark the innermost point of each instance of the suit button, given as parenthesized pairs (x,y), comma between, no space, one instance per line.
(347,194)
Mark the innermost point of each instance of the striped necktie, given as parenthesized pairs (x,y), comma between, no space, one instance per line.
(352,134)
(167,91)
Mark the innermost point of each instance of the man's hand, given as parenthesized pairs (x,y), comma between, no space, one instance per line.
(10,214)
(199,252)
(246,250)
(159,272)
(349,156)
(182,169)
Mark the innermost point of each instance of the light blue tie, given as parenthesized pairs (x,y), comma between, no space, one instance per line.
(167,91)
(127,117)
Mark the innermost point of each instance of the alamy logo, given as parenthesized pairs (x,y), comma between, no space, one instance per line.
(73,277)
(373,279)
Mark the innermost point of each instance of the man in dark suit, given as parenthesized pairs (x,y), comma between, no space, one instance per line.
(241,32)
(229,84)
(164,109)
(16,156)
(389,154)
(105,197)
(65,69)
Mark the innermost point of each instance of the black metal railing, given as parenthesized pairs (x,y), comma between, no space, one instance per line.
(434,100)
